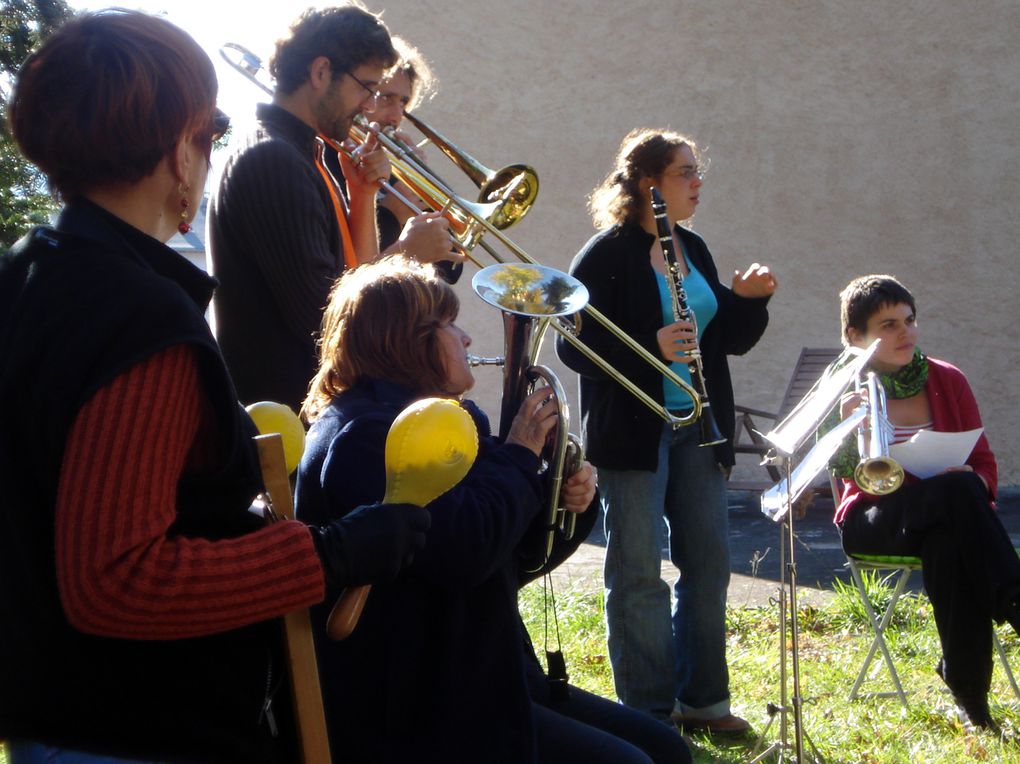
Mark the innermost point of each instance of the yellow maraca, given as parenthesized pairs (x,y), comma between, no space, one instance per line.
(270,417)
(430,447)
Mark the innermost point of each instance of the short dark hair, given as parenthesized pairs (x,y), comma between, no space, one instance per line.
(107,96)
(381,323)
(348,35)
(644,153)
(865,296)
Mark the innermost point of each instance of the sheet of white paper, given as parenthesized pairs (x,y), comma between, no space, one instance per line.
(929,453)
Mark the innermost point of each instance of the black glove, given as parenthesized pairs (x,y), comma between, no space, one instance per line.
(370,544)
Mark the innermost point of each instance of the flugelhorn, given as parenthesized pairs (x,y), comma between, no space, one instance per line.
(472,221)
(531,299)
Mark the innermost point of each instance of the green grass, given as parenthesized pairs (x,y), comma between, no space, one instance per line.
(833,641)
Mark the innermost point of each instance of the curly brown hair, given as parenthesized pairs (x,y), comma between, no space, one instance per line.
(348,35)
(644,153)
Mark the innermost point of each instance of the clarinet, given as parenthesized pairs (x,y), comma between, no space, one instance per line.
(709,431)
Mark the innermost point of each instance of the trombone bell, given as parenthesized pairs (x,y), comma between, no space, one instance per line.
(516,185)
(534,291)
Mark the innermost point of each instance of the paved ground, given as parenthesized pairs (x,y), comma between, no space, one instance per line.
(755,552)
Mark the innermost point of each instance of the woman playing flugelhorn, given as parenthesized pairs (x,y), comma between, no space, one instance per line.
(438,669)
(648,470)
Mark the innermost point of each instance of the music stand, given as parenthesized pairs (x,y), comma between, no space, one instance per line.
(777,504)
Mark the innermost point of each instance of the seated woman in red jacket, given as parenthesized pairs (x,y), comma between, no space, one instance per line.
(971,571)
(439,668)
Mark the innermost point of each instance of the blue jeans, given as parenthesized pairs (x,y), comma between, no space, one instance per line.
(663,663)
(39,753)
(587,729)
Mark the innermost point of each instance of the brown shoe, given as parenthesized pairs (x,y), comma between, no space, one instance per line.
(720,725)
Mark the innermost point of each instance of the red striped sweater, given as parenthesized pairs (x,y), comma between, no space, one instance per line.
(118,572)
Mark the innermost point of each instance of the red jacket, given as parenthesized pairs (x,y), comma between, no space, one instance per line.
(953,409)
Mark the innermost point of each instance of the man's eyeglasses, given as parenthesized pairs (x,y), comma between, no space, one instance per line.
(371,91)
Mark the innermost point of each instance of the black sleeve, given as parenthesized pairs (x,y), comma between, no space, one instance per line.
(605,267)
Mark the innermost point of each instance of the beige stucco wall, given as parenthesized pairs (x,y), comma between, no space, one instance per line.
(845,138)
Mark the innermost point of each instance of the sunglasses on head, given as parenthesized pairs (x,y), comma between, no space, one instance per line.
(220,125)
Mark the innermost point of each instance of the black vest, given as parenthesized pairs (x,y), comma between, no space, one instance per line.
(79,305)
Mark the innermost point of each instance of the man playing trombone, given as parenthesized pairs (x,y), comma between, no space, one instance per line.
(405,85)
(281,229)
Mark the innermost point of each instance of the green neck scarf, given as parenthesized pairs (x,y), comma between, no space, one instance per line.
(909,380)
(902,383)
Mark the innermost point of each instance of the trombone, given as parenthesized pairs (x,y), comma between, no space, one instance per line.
(506,196)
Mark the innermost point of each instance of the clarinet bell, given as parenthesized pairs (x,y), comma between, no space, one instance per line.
(709,434)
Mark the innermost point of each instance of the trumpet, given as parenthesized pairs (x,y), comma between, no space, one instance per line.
(876,472)
(506,196)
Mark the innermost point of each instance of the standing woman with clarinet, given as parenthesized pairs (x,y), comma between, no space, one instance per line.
(669,667)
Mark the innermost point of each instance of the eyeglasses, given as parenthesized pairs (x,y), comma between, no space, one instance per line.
(371,91)
(688,172)
(220,125)
(392,99)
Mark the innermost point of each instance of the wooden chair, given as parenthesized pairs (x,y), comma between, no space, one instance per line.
(747,438)
(303,670)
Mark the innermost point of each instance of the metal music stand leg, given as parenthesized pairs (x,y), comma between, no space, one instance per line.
(787,619)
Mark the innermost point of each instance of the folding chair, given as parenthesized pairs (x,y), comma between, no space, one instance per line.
(747,439)
(901,567)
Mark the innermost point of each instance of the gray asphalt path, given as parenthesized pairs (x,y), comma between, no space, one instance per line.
(755,552)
